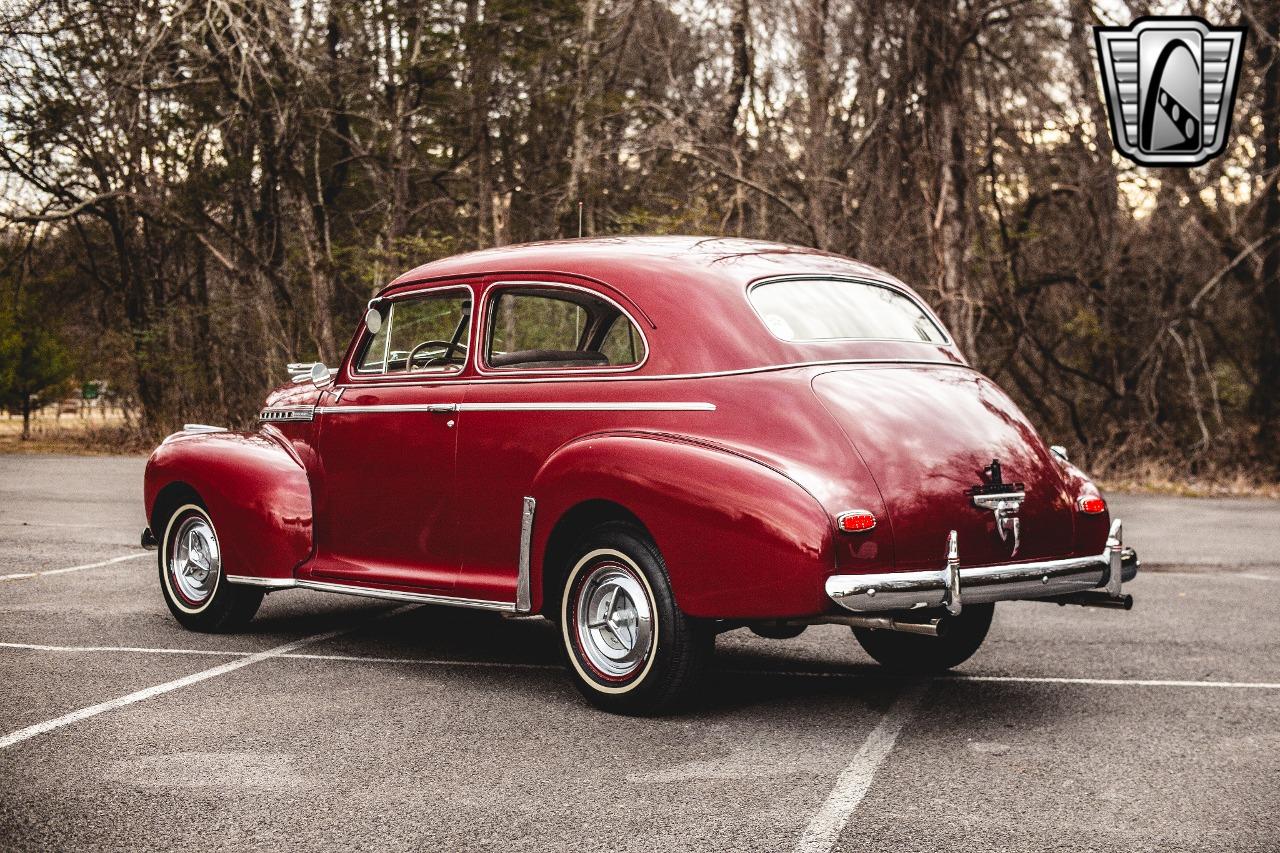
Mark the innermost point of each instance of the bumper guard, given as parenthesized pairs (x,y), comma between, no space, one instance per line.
(1094,580)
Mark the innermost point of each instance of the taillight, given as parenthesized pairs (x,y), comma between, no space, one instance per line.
(856,521)
(1091,505)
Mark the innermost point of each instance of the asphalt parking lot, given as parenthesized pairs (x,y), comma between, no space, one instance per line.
(340,723)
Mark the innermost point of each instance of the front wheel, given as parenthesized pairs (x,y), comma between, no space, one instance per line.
(630,649)
(920,655)
(192,578)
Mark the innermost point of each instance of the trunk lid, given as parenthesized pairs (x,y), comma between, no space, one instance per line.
(927,433)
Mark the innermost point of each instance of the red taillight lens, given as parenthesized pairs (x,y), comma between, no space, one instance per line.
(856,521)
(1091,505)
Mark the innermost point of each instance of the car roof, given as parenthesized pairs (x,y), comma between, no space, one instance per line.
(690,295)
(661,262)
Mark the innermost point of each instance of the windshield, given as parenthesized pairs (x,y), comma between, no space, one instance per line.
(832,309)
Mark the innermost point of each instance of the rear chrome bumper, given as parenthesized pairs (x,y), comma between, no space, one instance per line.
(951,586)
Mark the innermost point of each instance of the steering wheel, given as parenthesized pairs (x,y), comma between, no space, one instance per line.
(447,345)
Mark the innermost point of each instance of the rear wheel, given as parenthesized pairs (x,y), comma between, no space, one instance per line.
(921,655)
(630,649)
(192,578)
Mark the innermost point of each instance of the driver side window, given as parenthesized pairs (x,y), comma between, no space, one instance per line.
(424,334)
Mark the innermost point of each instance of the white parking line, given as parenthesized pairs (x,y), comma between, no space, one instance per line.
(196,677)
(36,647)
(854,781)
(1115,682)
(20,575)
(789,673)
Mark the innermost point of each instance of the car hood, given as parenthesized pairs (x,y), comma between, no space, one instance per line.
(926,433)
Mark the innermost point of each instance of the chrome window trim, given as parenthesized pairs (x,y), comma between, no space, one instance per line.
(524,591)
(711,374)
(853,279)
(353,367)
(595,371)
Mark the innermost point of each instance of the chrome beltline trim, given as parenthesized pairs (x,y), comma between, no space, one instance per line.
(521,407)
(371,592)
(524,592)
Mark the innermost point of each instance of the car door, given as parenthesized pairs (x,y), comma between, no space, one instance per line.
(538,345)
(385,512)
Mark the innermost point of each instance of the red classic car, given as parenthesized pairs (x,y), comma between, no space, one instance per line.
(647,441)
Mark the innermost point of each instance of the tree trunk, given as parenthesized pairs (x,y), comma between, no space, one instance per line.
(26,417)
(1266,396)
(480,57)
(579,162)
(817,83)
(944,117)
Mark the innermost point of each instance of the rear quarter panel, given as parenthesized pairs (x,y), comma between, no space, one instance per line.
(740,540)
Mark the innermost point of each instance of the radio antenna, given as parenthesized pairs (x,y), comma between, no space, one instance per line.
(579,219)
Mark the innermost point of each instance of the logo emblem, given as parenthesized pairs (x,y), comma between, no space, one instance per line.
(1170,86)
(1003,499)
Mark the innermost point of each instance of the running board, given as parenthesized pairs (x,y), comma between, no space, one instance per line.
(372,592)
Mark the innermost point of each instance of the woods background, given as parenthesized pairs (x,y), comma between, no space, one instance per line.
(196,192)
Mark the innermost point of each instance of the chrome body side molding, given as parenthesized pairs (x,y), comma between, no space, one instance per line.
(269,583)
(951,586)
(524,594)
(587,407)
(520,407)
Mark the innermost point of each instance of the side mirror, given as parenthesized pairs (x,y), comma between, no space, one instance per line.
(373,320)
(319,374)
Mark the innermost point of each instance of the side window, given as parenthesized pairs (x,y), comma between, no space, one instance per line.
(424,334)
(548,327)
(622,344)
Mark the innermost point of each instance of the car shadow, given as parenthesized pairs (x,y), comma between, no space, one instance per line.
(738,678)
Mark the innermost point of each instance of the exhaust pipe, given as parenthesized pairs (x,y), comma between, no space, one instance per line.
(931,628)
(1092,598)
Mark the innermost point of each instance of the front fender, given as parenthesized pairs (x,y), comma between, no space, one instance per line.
(256,491)
(740,539)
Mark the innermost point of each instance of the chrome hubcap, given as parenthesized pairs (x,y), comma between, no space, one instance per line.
(614,621)
(195,561)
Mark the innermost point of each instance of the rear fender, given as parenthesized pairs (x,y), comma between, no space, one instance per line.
(740,540)
(256,491)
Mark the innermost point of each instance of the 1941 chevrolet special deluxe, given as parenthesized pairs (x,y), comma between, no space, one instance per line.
(647,441)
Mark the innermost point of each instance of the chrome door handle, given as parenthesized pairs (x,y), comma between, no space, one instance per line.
(442,407)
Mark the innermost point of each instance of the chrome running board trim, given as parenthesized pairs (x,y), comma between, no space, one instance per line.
(372,592)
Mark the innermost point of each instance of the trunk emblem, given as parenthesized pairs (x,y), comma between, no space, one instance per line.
(1004,500)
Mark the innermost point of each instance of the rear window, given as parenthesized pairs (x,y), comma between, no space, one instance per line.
(831,309)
